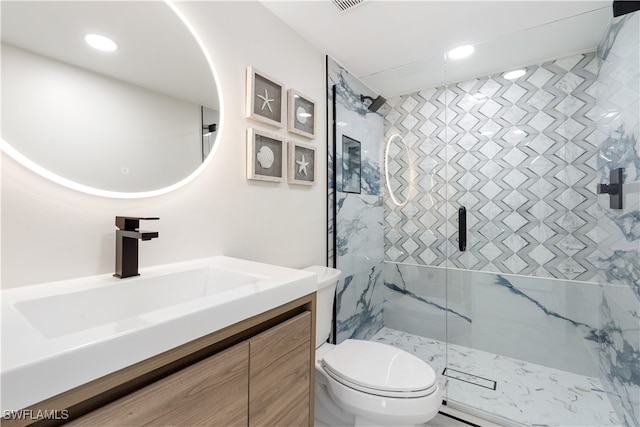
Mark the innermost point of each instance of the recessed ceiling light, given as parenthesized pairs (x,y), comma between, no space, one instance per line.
(460,52)
(99,42)
(515,74)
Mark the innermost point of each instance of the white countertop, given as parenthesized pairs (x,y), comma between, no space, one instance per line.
(37,365)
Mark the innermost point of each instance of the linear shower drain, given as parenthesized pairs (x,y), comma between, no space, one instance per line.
(469,378)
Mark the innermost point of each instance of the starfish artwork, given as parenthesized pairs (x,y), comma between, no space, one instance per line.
(267,100)
(302,165)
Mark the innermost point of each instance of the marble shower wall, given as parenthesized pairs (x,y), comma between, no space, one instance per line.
(618,102)
(554,323)
(551,274)
(521,157)
(357,228)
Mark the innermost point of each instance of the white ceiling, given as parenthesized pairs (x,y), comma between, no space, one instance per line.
(156,50)
(397,47)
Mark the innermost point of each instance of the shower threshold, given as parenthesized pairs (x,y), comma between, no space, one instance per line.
(523,392)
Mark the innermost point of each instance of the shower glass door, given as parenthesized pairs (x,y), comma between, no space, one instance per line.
(535,297)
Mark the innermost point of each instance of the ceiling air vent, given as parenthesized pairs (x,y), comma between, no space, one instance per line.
(345,5)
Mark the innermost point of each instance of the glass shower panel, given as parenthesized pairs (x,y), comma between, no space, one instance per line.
(414,195)
(524,326)
(357,202)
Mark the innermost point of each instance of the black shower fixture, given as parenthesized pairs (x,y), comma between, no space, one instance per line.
(622,7)
(614,188)
(375,103)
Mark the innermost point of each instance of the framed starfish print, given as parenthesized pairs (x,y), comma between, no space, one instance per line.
(265,98)
(302,163)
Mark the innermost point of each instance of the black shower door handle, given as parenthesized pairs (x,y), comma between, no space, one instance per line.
(462,228)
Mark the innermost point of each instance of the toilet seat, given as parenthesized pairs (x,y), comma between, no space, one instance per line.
(379,369)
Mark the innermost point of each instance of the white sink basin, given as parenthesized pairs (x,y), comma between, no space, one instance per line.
(117,301)
(59,335)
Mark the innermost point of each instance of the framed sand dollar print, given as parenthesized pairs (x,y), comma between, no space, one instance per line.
(302,114)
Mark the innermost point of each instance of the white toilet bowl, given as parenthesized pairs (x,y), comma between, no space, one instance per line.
(364,382)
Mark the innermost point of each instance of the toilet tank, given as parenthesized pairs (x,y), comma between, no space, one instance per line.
(327,281)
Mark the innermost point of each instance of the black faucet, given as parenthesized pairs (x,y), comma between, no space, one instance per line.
(127,236)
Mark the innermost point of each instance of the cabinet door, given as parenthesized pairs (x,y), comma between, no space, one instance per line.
(211,392)
(279,374)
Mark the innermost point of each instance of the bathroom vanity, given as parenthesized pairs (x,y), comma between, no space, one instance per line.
(258,370)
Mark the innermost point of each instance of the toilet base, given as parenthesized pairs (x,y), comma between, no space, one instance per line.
(328,413)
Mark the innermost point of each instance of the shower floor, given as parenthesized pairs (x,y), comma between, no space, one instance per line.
(524,392)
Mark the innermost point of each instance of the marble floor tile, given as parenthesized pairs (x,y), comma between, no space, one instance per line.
(525,393)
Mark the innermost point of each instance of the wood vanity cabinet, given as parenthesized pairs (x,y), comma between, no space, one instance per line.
(259,372)
(212,392)
(279,380)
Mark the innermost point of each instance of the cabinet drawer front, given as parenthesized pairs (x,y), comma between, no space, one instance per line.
(211,392)
(279,393)
(280,340)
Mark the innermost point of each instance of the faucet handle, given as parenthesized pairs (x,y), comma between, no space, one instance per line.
(131,223)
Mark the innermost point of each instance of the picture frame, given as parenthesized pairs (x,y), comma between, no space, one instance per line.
(302,163)
(265,99)
(265,156)
(302,114)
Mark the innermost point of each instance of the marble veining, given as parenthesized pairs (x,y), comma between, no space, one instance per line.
(359,305)
(623,362)
(624,267)
(496,312)
(401,288)
(620,150)
(526,393)
(629,225)
(358,227)
(504,282)
(618,255)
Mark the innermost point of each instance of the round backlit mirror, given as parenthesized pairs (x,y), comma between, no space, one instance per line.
(397,166)
(135,116)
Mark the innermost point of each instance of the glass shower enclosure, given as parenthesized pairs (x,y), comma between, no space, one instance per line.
(471,224)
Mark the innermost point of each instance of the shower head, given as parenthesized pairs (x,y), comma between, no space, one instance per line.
(375,103)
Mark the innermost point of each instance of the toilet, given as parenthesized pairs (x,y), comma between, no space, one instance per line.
(365,383)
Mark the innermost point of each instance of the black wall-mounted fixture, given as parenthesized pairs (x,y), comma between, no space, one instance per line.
(462,229)
(209,128)
(614,188)
(622,7)
(375,103)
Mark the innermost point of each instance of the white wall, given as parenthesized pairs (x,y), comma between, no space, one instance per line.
(50,232)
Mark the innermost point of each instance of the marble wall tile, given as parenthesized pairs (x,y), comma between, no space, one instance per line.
(415,300)
(359,302)
(517,155)
(555,323)
(619,354)
(618,232)
(356,235)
